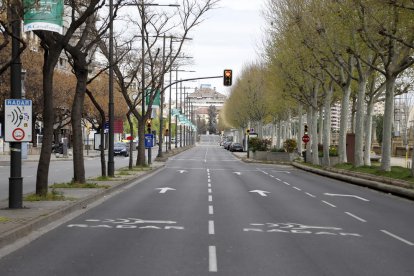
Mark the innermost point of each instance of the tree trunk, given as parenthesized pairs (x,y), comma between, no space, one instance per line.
(320,125)
(308,145)
(344,124)
(359,123)
(368,133)
(102,148)
(77,110)
(141,142)
(50,60)
(326,141)
(131,142)
(387,125)
(279,134)
(300,128)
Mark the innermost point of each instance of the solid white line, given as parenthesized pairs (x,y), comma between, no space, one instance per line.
(330,204)
(211,227)
(209,191)
(286,183)
(396,237)
(210,198)
(210,210)
(296,188)
(212,259)
(311,195)
(355,217)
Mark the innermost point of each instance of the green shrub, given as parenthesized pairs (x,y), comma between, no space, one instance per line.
(275,149)
(290,145)
(257,144)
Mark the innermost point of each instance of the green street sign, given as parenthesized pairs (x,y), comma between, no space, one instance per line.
(157,100)
(44,15)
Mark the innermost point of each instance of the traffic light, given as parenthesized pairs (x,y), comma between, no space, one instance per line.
(227,77)
(149,125)
(306,129)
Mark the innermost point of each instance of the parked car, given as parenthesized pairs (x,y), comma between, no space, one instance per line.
(227,145)
(236,147)
(121,149)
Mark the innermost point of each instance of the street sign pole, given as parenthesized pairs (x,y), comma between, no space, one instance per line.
(15,180)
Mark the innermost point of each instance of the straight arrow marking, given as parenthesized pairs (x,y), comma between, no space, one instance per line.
(165,189)
(262,193)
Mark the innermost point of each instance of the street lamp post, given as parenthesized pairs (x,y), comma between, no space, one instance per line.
(111,163)
(15,180)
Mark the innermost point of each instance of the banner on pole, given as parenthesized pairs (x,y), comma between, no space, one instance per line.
(44,15)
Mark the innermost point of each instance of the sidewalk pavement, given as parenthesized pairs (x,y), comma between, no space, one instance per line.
(18,224)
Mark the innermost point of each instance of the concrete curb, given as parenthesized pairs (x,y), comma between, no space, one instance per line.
(13,235)
(359,179)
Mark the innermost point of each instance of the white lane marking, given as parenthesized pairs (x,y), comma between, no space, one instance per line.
(358,197)
(262,193)
(296,188)
(209,180)
(327,203)
(211,227)
(212,259)
(271,176)
(397,237)
(265,172)
(209,185)
(278,179)
(165,189)
(208,170)
(182,171)
(209,191)
(311,195)
(210,198)
(355,217)
(286,183)
(238,173)
(210,210)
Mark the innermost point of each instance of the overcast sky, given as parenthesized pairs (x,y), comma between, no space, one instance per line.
(229,37)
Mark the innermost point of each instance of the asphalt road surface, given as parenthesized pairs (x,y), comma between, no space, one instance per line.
(208,213)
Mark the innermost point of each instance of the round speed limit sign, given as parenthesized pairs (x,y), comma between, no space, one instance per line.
(18,134)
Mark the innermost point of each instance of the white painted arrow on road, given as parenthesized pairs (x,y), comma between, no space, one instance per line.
(165,189)
(262,193)
(182,171)
(358,197)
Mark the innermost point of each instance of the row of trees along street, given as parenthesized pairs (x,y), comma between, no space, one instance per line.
(61,96)
(317,53)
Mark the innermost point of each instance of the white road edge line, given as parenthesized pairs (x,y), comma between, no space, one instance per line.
(355,217)
(311,195)
(327,203)
(211,227)
(212,259)
(396,237)
(210,210)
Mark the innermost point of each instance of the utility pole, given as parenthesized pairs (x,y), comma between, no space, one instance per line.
(162,100)
(15,180)
(111,163)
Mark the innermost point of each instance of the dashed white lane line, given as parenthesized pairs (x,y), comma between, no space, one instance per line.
(311,195)
(212,259)
(355,217)
(211,227)
(296,188)
(397,237)
(210,198)
(278,179)
(209,191)
(209,185)
(284,182)
(210,210)
(327,203)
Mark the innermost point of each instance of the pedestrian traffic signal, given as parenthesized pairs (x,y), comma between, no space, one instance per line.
(306,129)
(227,77)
